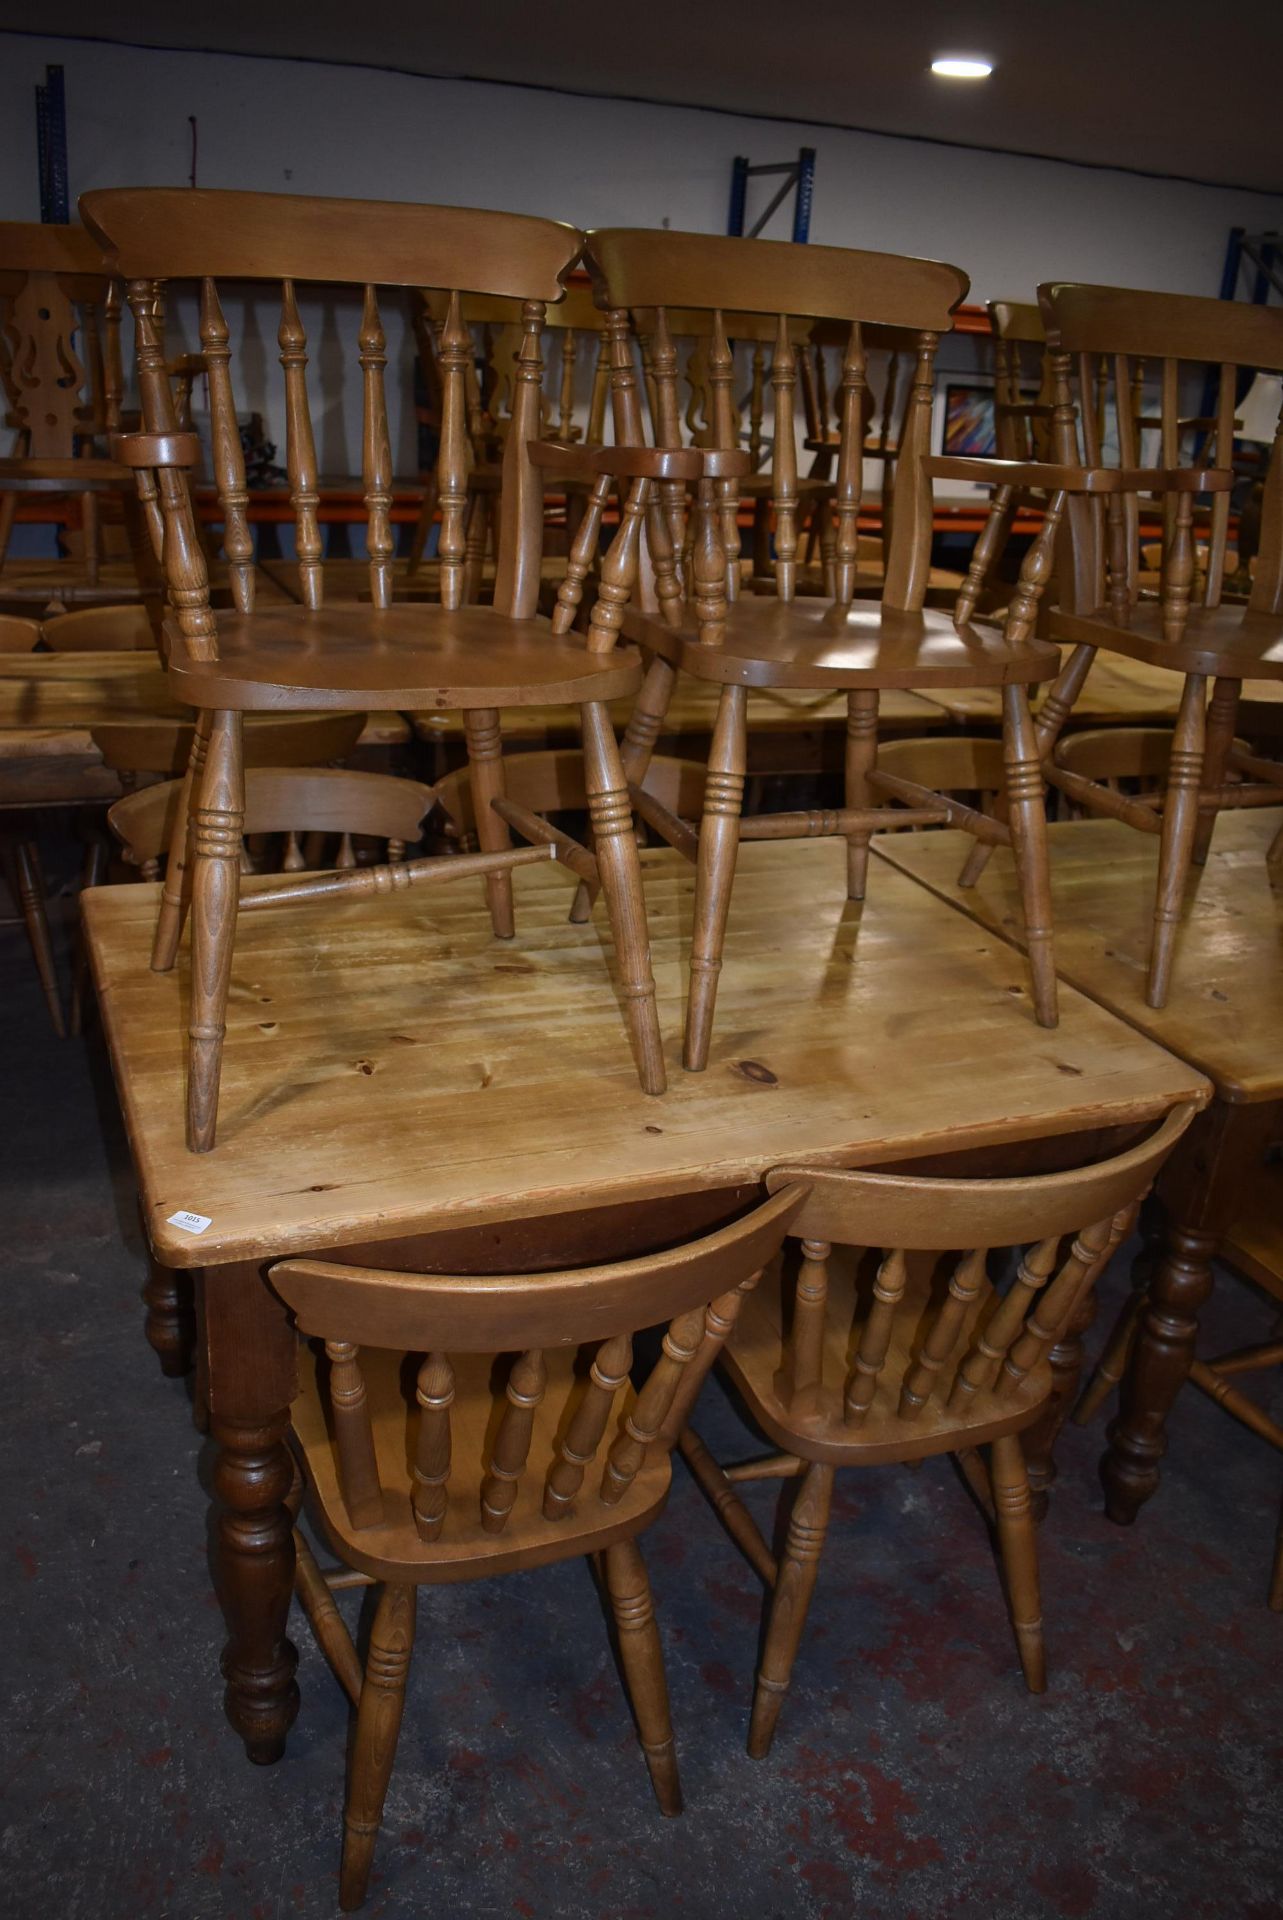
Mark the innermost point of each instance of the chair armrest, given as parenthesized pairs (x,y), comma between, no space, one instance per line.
(156,449)
(638,463)
(1056,479)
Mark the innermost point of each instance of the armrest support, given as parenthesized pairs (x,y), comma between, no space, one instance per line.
(1095,480)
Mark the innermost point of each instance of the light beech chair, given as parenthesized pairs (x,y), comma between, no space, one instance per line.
(352,657)
(844,1363)
(693,619)
(1099,341)
(516,1438)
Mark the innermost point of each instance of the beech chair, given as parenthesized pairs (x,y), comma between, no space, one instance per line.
(60,371)
(123,629)
(554,781)
(307,806)
(693,619)
(850,1367)
(18,634)
(353,657)
(455,1478)
(1105,336)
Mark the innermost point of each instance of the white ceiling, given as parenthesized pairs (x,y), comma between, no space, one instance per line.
(1162,86)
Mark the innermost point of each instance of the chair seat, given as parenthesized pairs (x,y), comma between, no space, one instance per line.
(352,657)
(1231,641)
(814,643)
(754,1358)
(464,1551)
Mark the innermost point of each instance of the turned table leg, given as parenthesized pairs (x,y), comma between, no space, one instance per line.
(170,1324)
(250,1369)
(1199,1184)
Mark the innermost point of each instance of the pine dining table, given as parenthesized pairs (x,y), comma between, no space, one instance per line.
(399,1086)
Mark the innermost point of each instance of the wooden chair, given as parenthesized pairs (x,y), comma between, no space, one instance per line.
(350,658)
(60,370)
(308,806)
(848,1367)
(18,634)
(564,1458)
(555,781)
(696,621)
(100,630)
(1104,334)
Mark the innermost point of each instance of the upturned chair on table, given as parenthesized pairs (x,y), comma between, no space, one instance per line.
(352,657)
(1099,339)
(848,1368)
(565,1457)
(695,621)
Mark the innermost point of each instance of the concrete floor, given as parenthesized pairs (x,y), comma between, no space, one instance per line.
(912,1778)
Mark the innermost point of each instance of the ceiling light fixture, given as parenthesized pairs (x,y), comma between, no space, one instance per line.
(962,67)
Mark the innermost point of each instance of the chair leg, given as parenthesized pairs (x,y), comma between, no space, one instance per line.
(861,758)
(1180,822)
(217,820)
(326,1622)
(176,892)
(643,1663)
(1276,1575)
(640,735)
(31,899)
(794,1585)
(485,769)
(1222,718)
(92,874)
(378,1725)
(1028,818)
(715,871)
(619,866)
(1018,1547)
(170,1323)
(727,1505)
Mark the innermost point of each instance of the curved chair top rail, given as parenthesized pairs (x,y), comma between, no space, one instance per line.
(1017,320)
(637,267)
(1170,326)
(160,745)
(578,309)
(489,1313)
(938,1215)
(29,246)
(166,233)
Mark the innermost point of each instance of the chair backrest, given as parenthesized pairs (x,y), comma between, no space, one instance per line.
(658,272)
(270,740)
(100,630)
(901,1215)
(946,763)
(1021,417)
(697,1289)
(298,802)
(60,363)
(155,235)
(18,635)
(495,324)
(552,781)
(1101,340)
